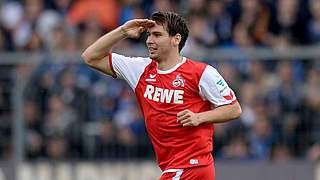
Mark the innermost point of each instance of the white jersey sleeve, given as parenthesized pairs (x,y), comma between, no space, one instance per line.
(214,88)
(128,68)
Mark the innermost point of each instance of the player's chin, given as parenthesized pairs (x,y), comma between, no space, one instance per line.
(153,56)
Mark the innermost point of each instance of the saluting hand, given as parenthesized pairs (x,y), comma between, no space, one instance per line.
(188,118)
(135,27)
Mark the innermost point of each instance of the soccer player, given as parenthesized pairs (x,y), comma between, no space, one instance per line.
(175,94)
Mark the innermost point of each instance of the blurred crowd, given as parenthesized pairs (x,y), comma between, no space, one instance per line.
(74,112)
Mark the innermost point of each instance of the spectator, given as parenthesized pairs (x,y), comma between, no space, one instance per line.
(105,11)
(312,110)
(257,73)
(281,153)
(74,96)
(35,43)
(255,16)
(313,25)
(62,6)
(193,6)
(106,139)
(2,102)
(5,40)
(220,21)
(289,132)
(201,36)
(287,93)
(261,137)
(312,88)
(248,97)
(59,118)
(285,22)
(163,5)
(313,154)
(238,149)
(57,148)
(132,9)
(34,137)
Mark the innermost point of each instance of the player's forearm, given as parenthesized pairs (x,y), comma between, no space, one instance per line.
(103,45)
(221,114)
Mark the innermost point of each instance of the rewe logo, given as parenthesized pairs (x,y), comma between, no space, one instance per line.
(220,82)
(164,95)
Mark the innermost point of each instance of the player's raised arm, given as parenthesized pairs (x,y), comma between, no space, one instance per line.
(97,54)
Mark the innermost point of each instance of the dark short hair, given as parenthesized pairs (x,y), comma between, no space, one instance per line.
(174,24)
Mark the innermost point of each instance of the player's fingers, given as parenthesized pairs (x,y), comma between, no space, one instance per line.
(182,118)
(138,22)
(190,123)
(141,20)
(187,124)
(185,121)
(186,116)
(141,29)
(150,23)
(147,25)
(145,22)
(181,113)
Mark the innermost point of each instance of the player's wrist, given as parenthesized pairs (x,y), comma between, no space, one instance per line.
(202,118)
(123,32)
(199,118)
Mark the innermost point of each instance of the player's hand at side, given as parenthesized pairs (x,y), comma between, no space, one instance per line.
(135,27)
(188,118)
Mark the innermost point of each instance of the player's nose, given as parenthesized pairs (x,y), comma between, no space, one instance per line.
(149,40)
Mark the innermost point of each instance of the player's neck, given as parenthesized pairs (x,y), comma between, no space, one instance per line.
(168,62)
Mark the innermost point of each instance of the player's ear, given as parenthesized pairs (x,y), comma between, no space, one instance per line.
(176,39)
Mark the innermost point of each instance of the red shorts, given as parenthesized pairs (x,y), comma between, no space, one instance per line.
(196,173)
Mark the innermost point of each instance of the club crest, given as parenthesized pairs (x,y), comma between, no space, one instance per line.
(178,81)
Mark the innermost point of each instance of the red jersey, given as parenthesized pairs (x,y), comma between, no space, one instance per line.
(162,94)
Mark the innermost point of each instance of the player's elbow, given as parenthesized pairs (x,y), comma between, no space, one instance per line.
(237,111)
(89,56)
(85,56)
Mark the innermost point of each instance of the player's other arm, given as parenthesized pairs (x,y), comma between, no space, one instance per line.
(97,54)
(215,89)
(219,114)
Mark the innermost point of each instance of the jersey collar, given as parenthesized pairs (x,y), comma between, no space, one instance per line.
(174,68)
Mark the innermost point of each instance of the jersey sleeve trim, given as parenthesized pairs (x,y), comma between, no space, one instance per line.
(234,101)
(110,63)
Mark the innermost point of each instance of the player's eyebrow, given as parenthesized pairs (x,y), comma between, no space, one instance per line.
(154,32)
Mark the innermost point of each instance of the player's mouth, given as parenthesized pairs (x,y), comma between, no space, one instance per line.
(152,50)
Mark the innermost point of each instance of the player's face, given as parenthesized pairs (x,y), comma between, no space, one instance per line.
(158,42)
